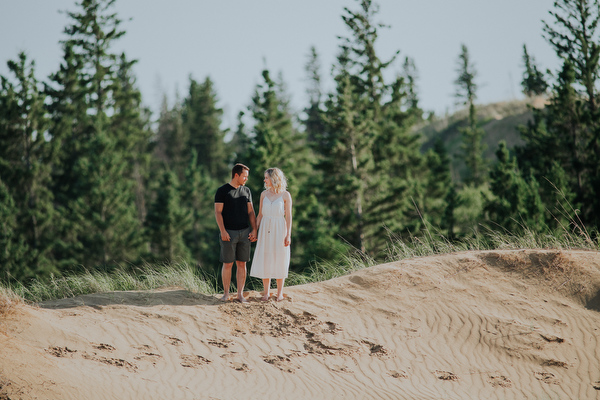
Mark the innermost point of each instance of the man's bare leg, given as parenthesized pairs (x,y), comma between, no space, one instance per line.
(280,283)
(267,286)
(241,280)
(226,277)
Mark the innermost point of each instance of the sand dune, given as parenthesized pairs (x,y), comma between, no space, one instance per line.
(474,325)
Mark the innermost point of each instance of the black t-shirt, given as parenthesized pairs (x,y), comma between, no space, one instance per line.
(235,206)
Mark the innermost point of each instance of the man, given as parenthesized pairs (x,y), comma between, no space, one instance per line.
(237,225)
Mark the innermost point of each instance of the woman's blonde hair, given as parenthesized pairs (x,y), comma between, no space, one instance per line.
(278,181)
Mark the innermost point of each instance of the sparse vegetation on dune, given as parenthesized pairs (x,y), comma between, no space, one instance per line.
(8,299)
(183,275)
(146,278)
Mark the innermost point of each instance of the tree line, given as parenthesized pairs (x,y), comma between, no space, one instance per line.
(89,178)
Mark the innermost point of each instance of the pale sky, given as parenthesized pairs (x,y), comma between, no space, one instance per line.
(233,40)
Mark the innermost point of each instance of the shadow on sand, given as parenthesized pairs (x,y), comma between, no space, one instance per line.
(145,298)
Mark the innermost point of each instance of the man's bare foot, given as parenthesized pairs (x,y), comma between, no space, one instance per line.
(242,299)
(225,297)
(280,298)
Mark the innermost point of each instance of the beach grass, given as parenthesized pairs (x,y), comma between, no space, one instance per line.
(435,243)
(150,276)
(147,277)
(8,301)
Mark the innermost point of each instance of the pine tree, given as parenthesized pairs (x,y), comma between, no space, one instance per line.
(274,140)
(13,249)
(171,141)
(516,204)
(347,160)
(399,192)
(437,184)
(554,142)
(70,123)
(202,126)
(314,236)
(452,202)
(574,36)
(313,122)
(197,197)
(535,209)
(131,124)
(370,159)
(348,163)
(410,76)
(557,197)
(359,55)
(167,221)
(240,142)
(25,166)
(104,215)
(533,82)
(94,124)
(466,93)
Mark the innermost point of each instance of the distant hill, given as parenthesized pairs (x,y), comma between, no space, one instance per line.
(499,120)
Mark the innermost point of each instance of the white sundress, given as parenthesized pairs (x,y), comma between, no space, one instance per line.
(271,258)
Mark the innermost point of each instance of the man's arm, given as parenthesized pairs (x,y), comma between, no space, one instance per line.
(252,216)
(219,217)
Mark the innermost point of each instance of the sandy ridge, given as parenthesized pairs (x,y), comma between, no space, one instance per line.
(472,325)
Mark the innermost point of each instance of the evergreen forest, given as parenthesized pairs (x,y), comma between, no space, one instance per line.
(91,179)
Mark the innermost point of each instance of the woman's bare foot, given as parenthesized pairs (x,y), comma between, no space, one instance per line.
(225,297)
(242,299)
(265,297)
(280,298)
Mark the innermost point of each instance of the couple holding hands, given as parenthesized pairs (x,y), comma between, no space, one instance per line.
(239,226)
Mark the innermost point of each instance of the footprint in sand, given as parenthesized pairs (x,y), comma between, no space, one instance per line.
(499,380)
(398,374)
(555,363)
(546,377)
(446,376)
(193,361)
(331,328)
(552,338)
(316,344)
(174,341)
(375,349)
(240,366)
(169,318)
(284,363)
(144,347)
(103,346)
(148,357)
(340,368)
(220,343)
(234,362)
(115,362)
(60,351)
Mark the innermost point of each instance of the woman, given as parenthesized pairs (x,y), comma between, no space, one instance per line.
(272,254)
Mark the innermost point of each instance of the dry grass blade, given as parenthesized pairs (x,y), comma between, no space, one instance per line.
(8,301)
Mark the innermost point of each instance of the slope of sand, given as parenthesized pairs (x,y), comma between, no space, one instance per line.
(474,325)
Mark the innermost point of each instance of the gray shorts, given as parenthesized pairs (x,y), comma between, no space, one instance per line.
(238,248)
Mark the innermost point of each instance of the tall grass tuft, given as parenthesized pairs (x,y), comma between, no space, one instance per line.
(346,263)
(147,277)
(8,300)
(488,239)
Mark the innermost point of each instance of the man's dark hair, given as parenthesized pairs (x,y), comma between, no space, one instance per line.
(238,169)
